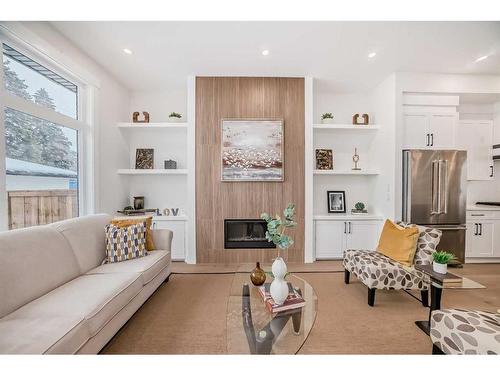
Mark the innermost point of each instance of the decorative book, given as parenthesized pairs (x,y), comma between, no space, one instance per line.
(293,301)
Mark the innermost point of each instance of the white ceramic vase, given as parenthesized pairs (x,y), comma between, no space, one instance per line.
(327,121)
(279,286)
(440,268)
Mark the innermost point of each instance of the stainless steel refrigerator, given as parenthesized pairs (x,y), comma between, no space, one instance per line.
(435,194)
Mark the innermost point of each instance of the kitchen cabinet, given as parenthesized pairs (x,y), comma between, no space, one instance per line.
(178,227)
(429,130)
(477,138)
(483,235)
(333,237)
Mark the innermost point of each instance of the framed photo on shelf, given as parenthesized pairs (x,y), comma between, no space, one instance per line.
(336,202)
(324,159)
(144,158)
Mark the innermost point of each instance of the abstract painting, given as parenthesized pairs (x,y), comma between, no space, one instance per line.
(252,150)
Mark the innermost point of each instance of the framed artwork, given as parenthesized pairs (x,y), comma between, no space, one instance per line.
(336,201)
(324,158)
(252,150)
(144,158)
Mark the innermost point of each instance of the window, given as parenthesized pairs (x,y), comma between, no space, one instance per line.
(42,148)
(31,81)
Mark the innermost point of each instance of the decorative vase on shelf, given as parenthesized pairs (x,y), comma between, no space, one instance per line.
(440,268)
(279,286)
(327,121)
(275,233)
(258,276)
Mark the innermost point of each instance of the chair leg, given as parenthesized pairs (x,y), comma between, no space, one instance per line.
(371,296)
(425,297)
(346,276)
(166,280)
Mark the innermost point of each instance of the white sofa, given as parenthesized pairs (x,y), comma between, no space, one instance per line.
(57,297)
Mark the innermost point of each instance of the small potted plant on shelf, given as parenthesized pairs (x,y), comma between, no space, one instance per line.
(441,259)
(327,118)
(175,117)
(359,208)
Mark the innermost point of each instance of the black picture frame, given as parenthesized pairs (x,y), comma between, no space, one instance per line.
(338,207)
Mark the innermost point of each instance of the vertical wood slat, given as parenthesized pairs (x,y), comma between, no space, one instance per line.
(35,207)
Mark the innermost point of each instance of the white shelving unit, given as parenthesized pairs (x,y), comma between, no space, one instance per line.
(170,141)
(153,171)
(325,232)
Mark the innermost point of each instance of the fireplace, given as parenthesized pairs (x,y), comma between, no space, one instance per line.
(245,234)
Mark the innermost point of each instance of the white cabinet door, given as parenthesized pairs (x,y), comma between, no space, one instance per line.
(442,129)
(178,240)
(330,239)
(496,239)
(479,239)
(416,130)
(363,235)
(477,138)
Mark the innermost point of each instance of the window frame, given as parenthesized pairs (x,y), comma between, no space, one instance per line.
(83,125)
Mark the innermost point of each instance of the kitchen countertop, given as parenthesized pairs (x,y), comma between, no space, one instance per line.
(480,207)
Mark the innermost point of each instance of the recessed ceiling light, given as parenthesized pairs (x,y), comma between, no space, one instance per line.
(127,51)
(372,55)
(265,52)
(482,58)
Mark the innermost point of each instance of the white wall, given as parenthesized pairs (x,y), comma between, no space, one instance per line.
(161,103)
(111,106)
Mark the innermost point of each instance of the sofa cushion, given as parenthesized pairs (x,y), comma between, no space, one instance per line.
(378,271)
(456,331)
(148,267)
(33,261)
(95,298)
(428,241)
(125,243)
(42,334)
(121,223)
(86,237)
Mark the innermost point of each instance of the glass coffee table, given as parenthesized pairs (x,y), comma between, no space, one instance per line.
(252,329)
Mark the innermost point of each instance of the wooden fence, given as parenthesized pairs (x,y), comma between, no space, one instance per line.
(36,207)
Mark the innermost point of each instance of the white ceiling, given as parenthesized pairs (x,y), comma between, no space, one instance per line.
(165,53)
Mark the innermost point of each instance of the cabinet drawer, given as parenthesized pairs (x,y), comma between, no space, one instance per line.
(473,216)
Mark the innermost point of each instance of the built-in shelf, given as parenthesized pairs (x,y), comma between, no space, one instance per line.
(153,125)
(348,217)
(153,171)
(346,172)
(170,218)
(345,126)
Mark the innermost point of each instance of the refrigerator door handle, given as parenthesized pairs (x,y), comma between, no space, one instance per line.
(436,187)
(443,186)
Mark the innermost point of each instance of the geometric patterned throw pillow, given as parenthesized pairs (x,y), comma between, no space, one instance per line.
(125,243)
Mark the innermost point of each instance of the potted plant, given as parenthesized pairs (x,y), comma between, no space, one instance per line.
(327,118)
(441,260)
(275,233)
(174,117)
(359,208)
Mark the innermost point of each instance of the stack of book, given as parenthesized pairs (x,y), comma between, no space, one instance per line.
(293,301)
(447,280)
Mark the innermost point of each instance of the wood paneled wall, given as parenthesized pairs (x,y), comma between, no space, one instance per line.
(246,97)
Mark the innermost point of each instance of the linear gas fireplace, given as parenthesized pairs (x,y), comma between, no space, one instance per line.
(245,234)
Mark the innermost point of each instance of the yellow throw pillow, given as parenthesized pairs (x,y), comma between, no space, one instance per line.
(121,223)
(398,243)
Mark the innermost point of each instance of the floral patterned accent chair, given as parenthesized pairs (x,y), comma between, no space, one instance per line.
(378,271)
(457,331)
